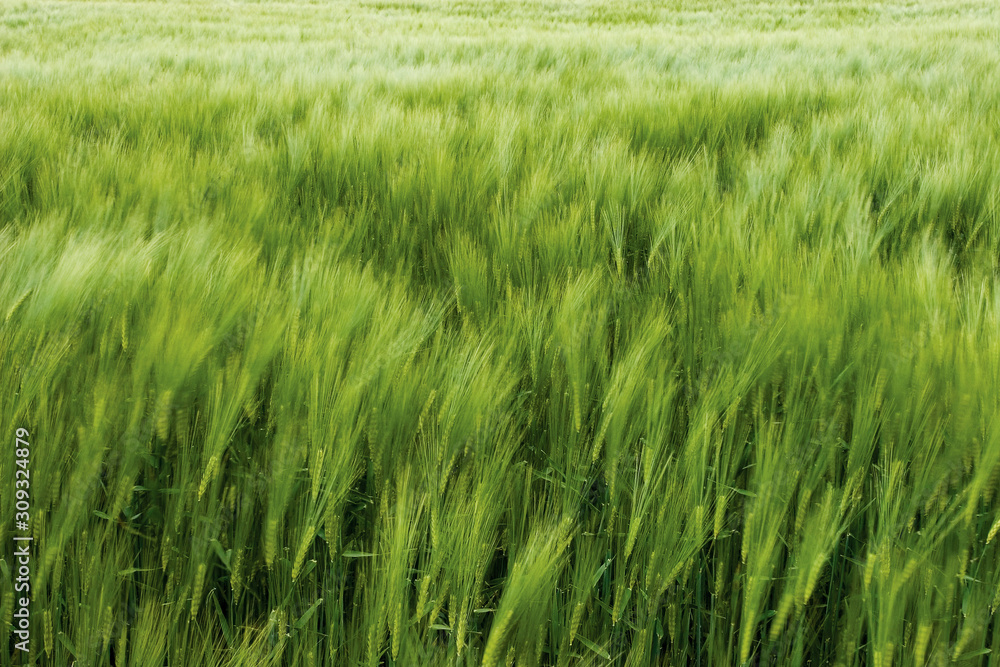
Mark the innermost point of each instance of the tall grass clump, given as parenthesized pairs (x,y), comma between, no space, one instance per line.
(520,333)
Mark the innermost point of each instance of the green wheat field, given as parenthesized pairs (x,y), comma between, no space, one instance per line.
(500,332)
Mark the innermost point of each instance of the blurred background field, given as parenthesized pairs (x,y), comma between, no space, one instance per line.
(482,333)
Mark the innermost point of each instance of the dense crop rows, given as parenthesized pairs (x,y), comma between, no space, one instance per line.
(470,333)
